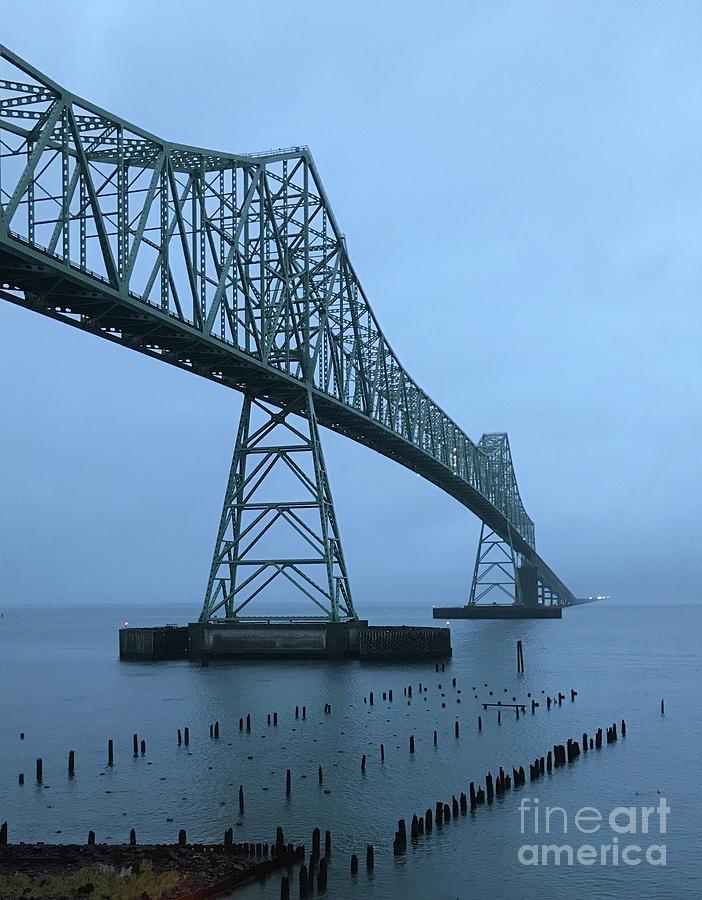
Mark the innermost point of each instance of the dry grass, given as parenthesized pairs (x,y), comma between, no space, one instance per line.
(106,883)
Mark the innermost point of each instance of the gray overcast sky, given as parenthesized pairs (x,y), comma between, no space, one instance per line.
(520,184)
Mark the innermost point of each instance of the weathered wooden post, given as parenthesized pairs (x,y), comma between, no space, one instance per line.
(382,752)
(135,745)
(143,746)
(303,881)
(322,877)
(363,763)
(3,834)
(71,763)
(186,736)
(216,731)
(91,839)
(480,724)
(21,778)
(370,857)
(662,707)
(182,838)
(132,838)
(327,843)
(285,888)
(241,798)
(288,783)
(321,775)
(457,728)
(40,770)
(110,753)
(411,743)
(248,723)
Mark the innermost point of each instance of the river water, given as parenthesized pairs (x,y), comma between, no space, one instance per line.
(62,685)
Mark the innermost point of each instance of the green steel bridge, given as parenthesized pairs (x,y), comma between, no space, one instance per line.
(233,267)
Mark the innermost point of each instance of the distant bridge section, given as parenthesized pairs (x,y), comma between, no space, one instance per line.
(231,266)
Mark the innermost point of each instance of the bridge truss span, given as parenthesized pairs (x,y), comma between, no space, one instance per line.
(231,266)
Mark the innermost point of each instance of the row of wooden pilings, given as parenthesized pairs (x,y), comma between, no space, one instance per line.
(495,786)
(183,737)
(315,869)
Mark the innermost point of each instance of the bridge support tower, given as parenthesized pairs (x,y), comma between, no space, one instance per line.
(278,491)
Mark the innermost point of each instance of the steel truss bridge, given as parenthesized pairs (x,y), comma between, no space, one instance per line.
(233,267)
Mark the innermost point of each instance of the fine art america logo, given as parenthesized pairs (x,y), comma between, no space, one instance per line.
(624,835)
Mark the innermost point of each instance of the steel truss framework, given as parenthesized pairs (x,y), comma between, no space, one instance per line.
(495,574)
(281,440)
(231,266)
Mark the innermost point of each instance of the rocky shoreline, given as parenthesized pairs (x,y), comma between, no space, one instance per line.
(144,872)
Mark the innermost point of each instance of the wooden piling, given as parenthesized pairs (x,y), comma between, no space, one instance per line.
(457,728)
(216,731)
(370,857)
(241,798)
(480,724)
(186,736)
(354,864)
(363,763)
(288,783)
(182,838)
(143,746)
(40,770)
(71,763)
(275,718)
(3,834)
(315,842)
(21,778)
(135,744)
(327,843)
(435,738)
(303,881)
(321,775)
(382,752)
(411,744)
(132,838)
(248,723)
(91,839)
(322,877)
(662,707)
(285,888)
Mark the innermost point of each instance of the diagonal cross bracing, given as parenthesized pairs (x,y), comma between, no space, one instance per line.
(229,265)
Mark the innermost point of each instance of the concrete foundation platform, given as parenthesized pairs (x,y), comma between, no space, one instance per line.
(166,642)
(497,611)
(275,639)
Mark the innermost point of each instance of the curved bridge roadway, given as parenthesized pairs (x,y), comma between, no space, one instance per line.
(231,266)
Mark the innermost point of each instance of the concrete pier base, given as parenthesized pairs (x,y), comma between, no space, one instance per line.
(497,611)
(276,639)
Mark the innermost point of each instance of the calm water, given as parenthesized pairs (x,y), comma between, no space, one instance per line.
(63,686)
